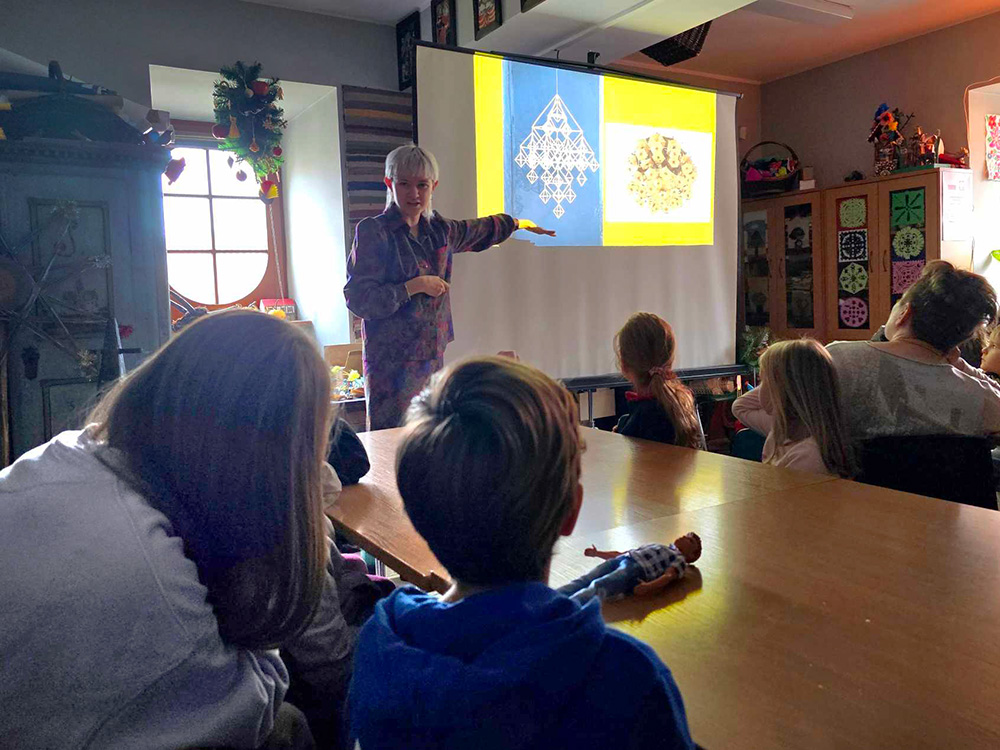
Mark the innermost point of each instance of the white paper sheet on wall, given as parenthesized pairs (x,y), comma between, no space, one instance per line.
(956,205)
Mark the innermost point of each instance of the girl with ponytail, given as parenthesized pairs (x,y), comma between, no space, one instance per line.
(661,407)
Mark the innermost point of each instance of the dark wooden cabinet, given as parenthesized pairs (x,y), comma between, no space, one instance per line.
(109,264)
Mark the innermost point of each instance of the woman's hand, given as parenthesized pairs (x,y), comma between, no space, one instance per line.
(529,226)
(432,286)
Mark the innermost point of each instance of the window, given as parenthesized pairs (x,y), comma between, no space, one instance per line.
(217,229)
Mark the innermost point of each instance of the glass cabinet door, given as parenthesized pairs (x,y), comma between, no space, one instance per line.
(798,249)
(797,271)
(756,266)
(853,264)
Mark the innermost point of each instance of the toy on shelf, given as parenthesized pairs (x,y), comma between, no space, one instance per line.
(284,308)
(961,159)
(888,137)
(639,572)
(346,384)
(769,174)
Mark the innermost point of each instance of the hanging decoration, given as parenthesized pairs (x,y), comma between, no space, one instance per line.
(559,148)
(247,114)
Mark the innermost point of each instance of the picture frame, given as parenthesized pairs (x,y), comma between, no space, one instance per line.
(65,403)
(529,4)
(487,16)
(85,294)
(407,35)
(444,22)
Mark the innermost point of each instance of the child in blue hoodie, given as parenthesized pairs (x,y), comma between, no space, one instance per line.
(489,472)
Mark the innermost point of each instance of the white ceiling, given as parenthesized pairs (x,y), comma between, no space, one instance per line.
(377,11)
(743,44)
(756,47)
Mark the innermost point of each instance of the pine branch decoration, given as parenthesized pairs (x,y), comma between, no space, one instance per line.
(248,119)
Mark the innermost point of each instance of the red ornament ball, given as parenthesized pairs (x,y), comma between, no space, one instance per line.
(220,131)
(241,176)
(254,148)
(276,151)
(260,88)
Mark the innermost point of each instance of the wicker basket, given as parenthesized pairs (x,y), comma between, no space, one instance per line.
(770,185)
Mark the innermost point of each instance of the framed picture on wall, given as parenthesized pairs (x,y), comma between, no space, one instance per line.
(529,4)
(444,22)
(407,35)
(66,402)
(488,16)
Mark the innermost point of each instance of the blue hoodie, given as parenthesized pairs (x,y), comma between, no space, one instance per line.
(517,667)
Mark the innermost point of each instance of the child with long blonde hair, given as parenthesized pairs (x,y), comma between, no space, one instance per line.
(797,406)
(662,408)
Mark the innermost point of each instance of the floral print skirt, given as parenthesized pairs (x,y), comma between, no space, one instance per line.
(390,386)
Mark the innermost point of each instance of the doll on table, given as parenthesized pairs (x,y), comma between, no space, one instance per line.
(641,571)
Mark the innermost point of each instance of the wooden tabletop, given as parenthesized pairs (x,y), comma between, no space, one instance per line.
(625,482)
(822,614)
(830,616)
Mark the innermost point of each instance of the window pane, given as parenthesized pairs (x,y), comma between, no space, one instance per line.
(192,275)
(240,224)
(194,178)
(239,274)
(187,223)
(224,180)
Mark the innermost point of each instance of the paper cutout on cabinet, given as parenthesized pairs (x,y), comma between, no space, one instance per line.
(852,245)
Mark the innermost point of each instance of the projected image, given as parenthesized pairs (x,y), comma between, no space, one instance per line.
(551,144)
(662,173)
(557,153)
(657,175)
(604,161)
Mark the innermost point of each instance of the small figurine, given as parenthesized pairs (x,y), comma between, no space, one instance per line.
(641,571)
(961,159)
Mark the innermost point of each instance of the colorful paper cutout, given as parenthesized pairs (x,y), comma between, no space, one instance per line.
(853,213)
(904,273)
(854,278)
(993,147)
(852,245)
(908,242)
(853,312)
(907,208)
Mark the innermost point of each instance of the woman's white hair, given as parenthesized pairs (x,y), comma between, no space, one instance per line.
(410,161)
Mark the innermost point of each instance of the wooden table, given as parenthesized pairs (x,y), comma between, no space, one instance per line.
(625,482)
(823,613)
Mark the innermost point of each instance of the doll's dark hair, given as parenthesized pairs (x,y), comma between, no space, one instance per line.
(489,467)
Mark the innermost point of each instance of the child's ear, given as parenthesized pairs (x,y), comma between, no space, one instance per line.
(569,523)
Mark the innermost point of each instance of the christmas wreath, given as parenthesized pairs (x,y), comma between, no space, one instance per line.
(250,123)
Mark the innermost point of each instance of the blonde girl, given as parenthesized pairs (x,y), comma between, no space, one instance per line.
(797,406)
(661,407)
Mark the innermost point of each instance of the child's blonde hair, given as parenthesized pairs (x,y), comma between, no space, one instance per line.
(645,348)
(489,468)
(804,389)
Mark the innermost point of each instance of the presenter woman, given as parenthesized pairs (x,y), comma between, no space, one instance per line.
(398,278)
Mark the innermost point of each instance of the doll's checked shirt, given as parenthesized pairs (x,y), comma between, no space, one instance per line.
(385,255)
(656,559)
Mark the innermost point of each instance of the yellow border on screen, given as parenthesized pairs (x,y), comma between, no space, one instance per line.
(488,77)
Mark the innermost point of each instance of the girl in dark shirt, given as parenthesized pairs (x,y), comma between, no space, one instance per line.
(661,408)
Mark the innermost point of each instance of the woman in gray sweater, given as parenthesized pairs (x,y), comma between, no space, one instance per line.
(152,563)
(914,381)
